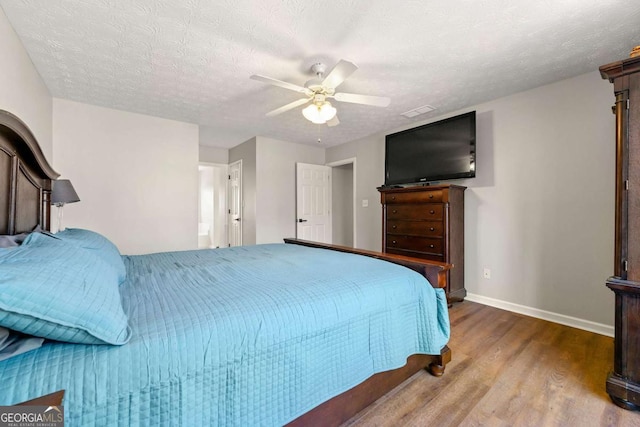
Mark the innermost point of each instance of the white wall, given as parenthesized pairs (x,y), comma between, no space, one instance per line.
(247,153)
(213,155)
(540,211)
(276,186)
(136,175)
(22,91)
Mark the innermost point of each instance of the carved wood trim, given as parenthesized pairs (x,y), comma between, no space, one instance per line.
(28,161)
(27,143)
(13,195)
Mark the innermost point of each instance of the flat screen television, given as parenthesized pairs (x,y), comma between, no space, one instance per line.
(434,152)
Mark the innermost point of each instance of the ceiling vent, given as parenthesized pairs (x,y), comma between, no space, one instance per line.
(417,111)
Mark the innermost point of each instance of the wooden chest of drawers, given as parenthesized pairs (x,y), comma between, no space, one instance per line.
(427,222)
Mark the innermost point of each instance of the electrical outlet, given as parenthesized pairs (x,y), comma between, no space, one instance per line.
(365,203)
(487,273)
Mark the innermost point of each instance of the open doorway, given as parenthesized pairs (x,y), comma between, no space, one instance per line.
(236,203)
(343,202)
(212,206)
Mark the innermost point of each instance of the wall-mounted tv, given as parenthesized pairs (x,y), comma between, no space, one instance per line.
(433,152)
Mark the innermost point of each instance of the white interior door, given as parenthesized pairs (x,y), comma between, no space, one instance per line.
(235,203)
(313,202)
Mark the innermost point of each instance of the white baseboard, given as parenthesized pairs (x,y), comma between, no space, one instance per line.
(587,325)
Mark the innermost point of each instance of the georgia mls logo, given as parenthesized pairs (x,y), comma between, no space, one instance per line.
(31,416)
(53,408)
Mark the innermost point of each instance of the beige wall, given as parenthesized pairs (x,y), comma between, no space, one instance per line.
(369,153)
(22,91)
(276,186)
(268,186)
(539,214)
(136,175)
(342,204)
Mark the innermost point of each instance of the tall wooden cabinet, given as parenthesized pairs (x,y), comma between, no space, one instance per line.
(623,384)
(427,222)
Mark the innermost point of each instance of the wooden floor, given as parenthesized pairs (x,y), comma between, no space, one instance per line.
(508,370)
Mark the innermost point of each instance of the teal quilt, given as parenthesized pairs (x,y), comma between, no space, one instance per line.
(243,336)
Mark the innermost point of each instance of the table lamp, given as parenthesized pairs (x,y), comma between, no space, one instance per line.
(63,192)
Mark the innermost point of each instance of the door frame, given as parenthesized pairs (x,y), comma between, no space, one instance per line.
(352,160)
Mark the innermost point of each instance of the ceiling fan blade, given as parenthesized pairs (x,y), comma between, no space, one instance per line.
(280,83)
(339,73)
(333,122)
(376,101)
(287,107)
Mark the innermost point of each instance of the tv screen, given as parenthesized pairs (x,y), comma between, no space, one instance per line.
(433,152)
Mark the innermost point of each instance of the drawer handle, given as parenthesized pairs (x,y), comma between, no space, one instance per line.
(431,196)
(394,242)
(432,211)
(395,211)
(393,197)
(431,246)
(430,229)
(394,227)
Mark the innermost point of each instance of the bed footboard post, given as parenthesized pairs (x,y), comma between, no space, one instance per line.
(437,368)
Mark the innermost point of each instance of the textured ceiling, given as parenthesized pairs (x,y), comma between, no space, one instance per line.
(190,60)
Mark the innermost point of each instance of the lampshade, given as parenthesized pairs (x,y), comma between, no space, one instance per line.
(63,192)
(319,113)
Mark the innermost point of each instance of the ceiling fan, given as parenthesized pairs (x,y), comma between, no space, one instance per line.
(321,88)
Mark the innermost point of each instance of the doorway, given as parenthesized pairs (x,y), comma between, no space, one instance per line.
(343,202)
(235,203)
(212,206)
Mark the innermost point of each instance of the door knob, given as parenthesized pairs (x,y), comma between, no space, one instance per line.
(236,219)
(302,220)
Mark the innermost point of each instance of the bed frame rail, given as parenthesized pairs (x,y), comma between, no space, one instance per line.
(435,272)
(344,406)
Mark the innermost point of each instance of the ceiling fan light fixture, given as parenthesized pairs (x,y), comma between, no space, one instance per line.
(319,113)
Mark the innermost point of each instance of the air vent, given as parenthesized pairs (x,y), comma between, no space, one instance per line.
(417,111)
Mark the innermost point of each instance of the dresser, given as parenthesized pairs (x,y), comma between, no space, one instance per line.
(623,384)
(427,222)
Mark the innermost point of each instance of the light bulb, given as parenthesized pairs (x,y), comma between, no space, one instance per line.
(312,113)
(327,111)
(319,114)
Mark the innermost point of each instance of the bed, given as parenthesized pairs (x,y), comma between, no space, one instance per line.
(297,333)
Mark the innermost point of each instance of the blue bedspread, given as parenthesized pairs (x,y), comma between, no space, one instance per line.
(243,336)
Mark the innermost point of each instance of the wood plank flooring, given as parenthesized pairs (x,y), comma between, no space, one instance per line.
(508,370)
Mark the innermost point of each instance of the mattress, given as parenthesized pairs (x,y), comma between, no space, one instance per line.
(253,335)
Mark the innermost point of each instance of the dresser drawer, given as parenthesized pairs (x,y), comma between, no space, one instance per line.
(416,228)
(413,243)
(413,197)
(427,211)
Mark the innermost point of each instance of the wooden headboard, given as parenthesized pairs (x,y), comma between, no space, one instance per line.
(25,178)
